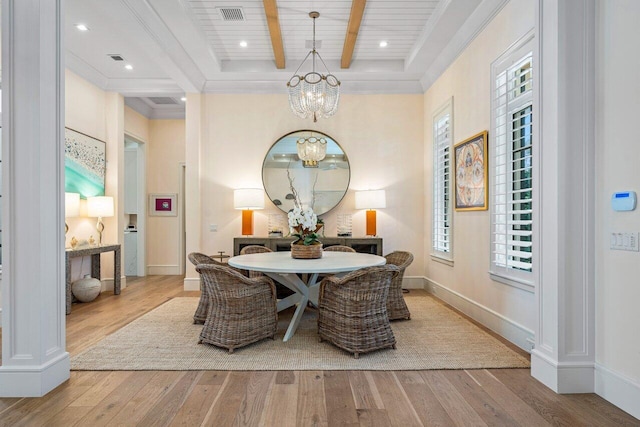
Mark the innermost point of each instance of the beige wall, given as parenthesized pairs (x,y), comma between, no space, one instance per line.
(617,158)
(165,155)
(99,114)
(467,80)
(136,125)
(381,134)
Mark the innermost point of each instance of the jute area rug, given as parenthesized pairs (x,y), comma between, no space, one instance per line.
(166,339)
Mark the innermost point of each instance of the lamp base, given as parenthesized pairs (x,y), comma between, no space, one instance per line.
(371,222)
(247,222)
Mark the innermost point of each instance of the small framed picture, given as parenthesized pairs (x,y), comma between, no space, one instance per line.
(163,204)
(471,189)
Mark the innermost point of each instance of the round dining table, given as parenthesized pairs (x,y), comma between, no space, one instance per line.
(288,271)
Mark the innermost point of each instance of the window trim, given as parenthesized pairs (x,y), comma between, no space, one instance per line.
(437,255)
(524,280)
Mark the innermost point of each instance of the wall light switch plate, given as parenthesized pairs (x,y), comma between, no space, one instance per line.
(213,227)
(633,242)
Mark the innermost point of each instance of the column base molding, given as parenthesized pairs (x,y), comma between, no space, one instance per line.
(563,377)
(34,381)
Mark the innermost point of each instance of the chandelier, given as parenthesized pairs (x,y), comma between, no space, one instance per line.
(314,93)
(311,150)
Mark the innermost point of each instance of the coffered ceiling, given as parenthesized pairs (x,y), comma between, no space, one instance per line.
(178,46)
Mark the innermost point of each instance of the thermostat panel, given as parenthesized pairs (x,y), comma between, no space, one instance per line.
(623,201)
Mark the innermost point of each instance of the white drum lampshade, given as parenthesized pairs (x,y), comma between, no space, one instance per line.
(100,207)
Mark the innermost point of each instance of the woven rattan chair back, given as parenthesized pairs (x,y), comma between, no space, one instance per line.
(396,306)
(254,249)
(339,248)
(352,310)
(200,315)
(242,310)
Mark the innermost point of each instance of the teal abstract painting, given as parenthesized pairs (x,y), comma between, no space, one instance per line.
(84,164)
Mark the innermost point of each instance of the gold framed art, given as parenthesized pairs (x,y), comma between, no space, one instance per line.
(471,174)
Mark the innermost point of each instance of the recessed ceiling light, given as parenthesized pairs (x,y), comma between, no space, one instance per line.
(243,43)
(183,99)
(383,44)
(129,67)
(82,27)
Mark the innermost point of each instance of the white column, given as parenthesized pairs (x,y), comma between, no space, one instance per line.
(34,360)
(564,354)
(193,226)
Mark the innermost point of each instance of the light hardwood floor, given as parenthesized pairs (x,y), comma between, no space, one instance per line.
(507,397)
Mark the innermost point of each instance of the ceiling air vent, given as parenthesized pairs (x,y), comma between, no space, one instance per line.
(231,13)
(160,100)
(115,56)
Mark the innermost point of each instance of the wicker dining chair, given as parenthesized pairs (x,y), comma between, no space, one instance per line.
(352,310)
(197,258)
(339,248)
(242,310)
(281,290)
(254,249)
(396,306)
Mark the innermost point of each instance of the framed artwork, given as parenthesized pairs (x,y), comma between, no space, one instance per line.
(85,164)
(472,185)
(163,204)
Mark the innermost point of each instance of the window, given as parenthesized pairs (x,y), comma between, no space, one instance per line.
(441,215)
(512,168)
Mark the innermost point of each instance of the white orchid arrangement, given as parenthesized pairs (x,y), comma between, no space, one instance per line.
(303,224)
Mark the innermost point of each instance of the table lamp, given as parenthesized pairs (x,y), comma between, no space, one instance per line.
(371,199)
(100,207)
(71,207)
(248,199)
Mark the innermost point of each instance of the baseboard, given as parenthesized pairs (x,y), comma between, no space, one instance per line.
(562,377)
(191,284)
(507,328)
(413,282)
(107,284)
(163,270)
(617,389)
(34,381)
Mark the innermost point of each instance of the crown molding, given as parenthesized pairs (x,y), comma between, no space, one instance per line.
(474,25)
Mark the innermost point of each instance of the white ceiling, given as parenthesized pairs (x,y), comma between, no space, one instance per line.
(178,46)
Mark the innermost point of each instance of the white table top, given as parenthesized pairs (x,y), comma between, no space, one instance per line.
(281,262)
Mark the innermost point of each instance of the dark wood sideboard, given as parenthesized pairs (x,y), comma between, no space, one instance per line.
(368,245)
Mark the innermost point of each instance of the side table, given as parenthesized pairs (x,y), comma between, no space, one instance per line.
(95,252)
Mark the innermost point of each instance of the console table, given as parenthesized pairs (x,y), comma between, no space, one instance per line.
(366,245)
(95,252)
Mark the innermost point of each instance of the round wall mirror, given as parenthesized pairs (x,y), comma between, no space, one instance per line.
(321,185)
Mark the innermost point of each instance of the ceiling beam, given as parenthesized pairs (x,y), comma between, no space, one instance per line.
(271,11)
(357,10)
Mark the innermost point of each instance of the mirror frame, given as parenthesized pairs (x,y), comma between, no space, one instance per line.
(346,189)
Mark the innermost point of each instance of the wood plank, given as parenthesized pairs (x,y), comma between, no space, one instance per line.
(312,410)
(224,409)
(281,406)
(140,405)
(341,408)
(522,413)
(395,400)
(355,18)
(114,402)
(273,22)
(485,406)
(285,377)
(165,409)
(424,401)
(102,388)
(197,404)
(252,406)
(365,392)
(460,412)
(374,418)
(537,396)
